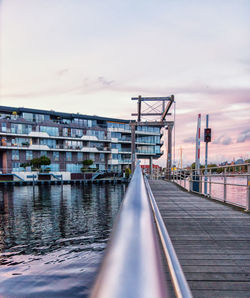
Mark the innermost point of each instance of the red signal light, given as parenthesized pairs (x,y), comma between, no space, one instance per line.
(207,135)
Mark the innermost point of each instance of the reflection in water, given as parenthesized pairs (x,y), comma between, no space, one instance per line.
(51,241)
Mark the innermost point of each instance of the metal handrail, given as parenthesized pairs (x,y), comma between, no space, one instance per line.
(187,176)
(132,263)
(180,284)
(218,167)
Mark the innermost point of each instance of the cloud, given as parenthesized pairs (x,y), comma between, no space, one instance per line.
(189,140)
(244,136)
(62,72)
(223,140)
(226,141)
(104,82)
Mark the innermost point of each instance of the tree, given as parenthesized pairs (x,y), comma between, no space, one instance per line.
(38,162)
(87,163)
(211,166)
(45,161)
(127,172)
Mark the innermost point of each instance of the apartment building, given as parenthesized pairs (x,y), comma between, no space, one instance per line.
(68,139)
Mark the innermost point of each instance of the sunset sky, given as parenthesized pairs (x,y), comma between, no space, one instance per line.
(92,56)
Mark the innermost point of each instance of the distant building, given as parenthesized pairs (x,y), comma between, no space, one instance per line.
(68,139)
(239,161)
(156,169)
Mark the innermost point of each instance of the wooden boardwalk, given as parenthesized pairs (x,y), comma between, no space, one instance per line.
(212,241)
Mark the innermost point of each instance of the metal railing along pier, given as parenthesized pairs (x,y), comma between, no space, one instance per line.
(132,265)
(218,180)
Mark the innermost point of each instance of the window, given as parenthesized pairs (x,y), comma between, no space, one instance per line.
(116,156)
(56,156)
(28,116)
(43,153)
(48,142)
(29,155)
(73,168)
(68,156)
(116,146)
(54,167)
(80,156)
(21,128)
(92,156)
(21,142)
(102,158)
(39,117)
(157,149)
(73,144)
(16,167)
(4,127)
(116,135)
(76,133)
(51,131)
(15,154)
(97,133)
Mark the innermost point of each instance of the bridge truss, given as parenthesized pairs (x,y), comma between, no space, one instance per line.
(158,109)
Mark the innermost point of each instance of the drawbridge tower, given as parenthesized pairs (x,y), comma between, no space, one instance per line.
(157,107)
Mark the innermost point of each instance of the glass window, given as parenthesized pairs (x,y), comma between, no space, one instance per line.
(102,157)
(73,168)
(157,149)
(28,116)
(92,156)
(54,167)
(48,142)
(15,154)
(16,167)
(43,153)
(127,127)
(39,117)
(80,156)
(21,128)
(29,155)
(56,155)
(4,127)
(51,131)
(116,135)
(68,156)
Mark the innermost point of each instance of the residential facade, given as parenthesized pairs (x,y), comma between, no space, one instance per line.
(68,139)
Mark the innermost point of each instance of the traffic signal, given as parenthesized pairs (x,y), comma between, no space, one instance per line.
(207,135)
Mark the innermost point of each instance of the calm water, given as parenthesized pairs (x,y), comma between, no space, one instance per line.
(51,242)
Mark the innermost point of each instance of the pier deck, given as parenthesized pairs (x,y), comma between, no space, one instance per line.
(212,241)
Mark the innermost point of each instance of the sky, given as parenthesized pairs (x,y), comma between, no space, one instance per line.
(92,56)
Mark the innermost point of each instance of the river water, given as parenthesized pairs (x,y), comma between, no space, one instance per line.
(52,241)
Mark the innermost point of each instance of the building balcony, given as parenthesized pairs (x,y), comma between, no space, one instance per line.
(119,129)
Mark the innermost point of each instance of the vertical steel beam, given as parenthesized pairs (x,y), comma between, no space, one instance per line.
(169,156)
(225,185)
(206,153)
(248,189)
(133,125)
(139,108)
(151,167)
(210,183)
(198,139)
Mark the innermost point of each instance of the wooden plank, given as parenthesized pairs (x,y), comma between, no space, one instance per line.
(212,241)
